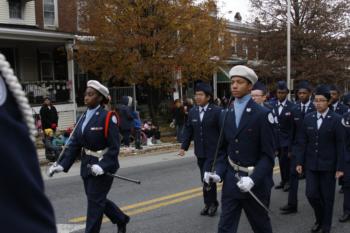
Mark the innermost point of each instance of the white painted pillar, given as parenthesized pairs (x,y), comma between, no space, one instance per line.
(215,83)
(70,65)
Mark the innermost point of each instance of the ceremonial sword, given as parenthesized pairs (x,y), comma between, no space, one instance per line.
(115,176)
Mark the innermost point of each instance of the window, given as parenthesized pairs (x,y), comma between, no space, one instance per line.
(15,7)
(49,12)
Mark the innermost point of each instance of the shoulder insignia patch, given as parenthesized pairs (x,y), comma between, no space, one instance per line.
(345,123)
(114,120)
(3,92)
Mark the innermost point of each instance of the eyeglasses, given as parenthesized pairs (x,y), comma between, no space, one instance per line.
(257,95)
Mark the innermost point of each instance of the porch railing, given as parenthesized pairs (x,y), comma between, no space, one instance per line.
(57,90)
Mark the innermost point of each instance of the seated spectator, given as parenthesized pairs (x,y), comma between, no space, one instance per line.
(52,145)
(147,129)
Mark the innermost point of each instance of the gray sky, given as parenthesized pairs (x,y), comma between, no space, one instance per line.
(243,6)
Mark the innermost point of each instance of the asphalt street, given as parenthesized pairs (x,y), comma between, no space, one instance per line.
(168,200)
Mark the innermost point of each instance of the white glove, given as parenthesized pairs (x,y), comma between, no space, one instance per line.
(55,168)
(97,170)
(211,176)
(245,184)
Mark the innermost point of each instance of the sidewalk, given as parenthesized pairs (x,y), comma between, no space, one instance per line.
(156,148)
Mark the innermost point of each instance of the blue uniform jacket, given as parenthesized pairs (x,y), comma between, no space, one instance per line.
(251,144)
(93,138)
(346,123)
(298,121)
(285,124)
(323,149)
(205,134)
(341,109)
(23,204)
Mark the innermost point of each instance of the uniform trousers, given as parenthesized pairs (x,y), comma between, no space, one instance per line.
(320,192)
(294,184)
(96,190)
(284,163)
(233,201)
(209,195)
(346,188)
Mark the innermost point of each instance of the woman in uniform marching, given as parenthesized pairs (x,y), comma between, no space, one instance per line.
(96,139)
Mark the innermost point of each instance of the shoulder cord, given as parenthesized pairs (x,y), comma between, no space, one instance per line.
(16,89)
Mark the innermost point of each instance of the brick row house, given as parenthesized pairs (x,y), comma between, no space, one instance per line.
(37,38)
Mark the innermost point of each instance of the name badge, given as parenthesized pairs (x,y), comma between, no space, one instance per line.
(287,114)
(194,120)
(310,128)
(96,128)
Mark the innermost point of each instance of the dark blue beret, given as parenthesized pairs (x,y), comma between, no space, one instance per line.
(282,85)
(304,84)
(206,88)
(323,90)
(333,88)
(259,86)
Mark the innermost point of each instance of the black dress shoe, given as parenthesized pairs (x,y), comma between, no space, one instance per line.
(212,209)
(315,228)
(285,207)
(344,218)
(286,187)
(205,210)
(122,227)
(288,209)
(280,186)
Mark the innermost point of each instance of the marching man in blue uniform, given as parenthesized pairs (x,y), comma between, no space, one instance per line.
(346,179)
(203,127)
(96,139)
(336,106)
(246,158)
(23,204)
(284,110)
(304,107)
(320,155)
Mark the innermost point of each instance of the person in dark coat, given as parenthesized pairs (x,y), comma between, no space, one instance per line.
(246,158)
(126,119)
(336,106)
(346,179)
(48,115)
(96,141)
(320,154)
(23,204)
(202,127)
(179,117)
(304,106)
(285,112)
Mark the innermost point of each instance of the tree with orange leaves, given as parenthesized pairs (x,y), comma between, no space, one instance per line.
(144,41)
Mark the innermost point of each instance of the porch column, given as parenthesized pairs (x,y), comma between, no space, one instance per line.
(215,83)
(70,65)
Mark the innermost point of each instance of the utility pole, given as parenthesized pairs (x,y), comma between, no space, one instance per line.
(288,46)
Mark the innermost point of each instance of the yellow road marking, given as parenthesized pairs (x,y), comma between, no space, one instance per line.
(156,203)
(187,195)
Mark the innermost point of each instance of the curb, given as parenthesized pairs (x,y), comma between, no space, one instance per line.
(144,152)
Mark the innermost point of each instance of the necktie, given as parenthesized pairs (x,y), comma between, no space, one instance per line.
(319,122)
(303,108)
(280,108)
(201,113)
